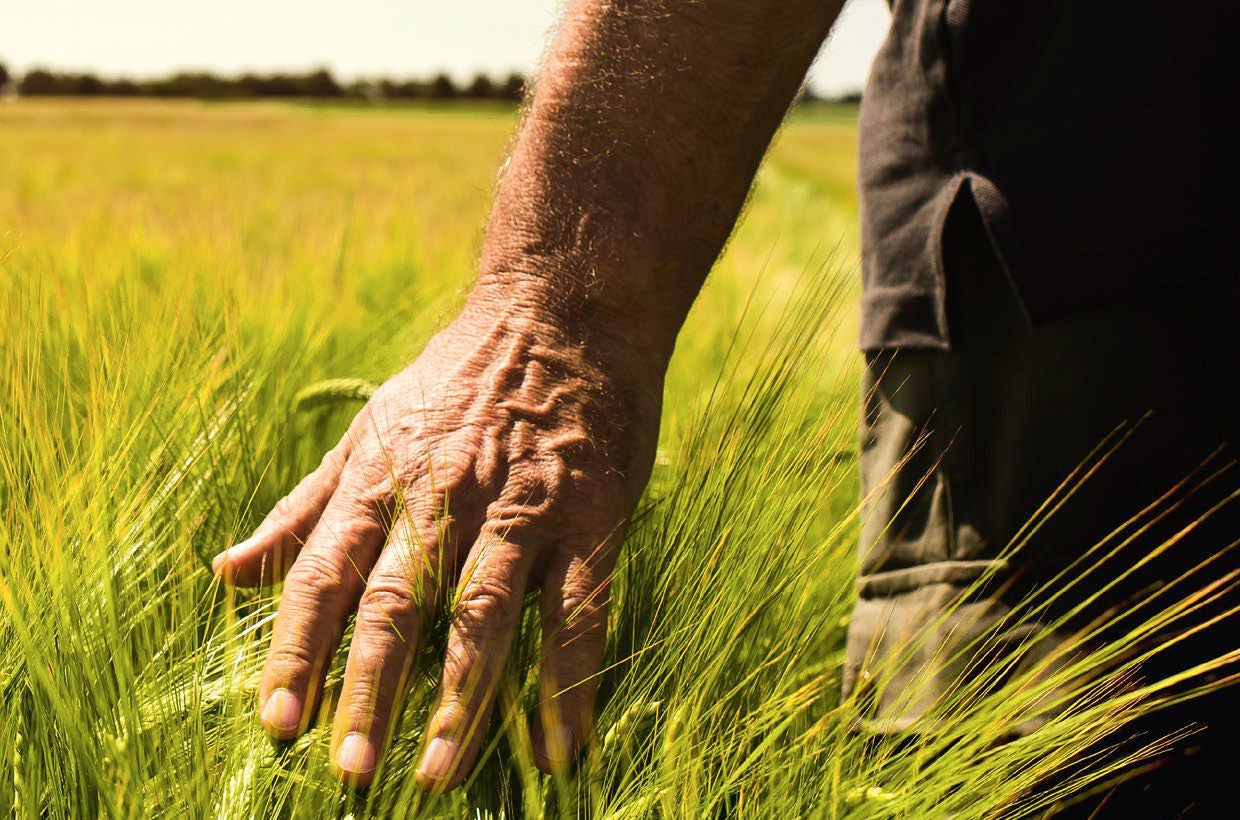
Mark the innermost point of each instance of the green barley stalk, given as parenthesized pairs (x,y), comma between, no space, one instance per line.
(330,392)
(154,428)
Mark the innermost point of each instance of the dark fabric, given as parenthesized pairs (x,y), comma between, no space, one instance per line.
(960,447)
(1098,140)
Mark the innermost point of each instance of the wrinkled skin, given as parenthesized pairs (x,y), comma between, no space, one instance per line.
(507,457)
(510,454)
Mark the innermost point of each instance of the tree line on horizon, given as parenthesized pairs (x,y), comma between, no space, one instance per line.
(319,83)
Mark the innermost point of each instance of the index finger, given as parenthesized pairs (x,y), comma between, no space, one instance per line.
(322,586)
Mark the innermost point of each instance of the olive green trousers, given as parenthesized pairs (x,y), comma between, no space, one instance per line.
(960,449)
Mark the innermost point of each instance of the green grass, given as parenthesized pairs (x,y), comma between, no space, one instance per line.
(174,274)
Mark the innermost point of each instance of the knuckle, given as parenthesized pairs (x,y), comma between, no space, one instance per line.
(419,544)
(311,492)
(279,518)
(457,661)
(291,660)
(463,707)
(283,507)
(366,702)
(316,574)
(375,490)
(581,619)
(452,713)
(334,458)
(585,613)
(368,508)
(371,474)
(390,601)
(422,508)
(486,606)
(444,459)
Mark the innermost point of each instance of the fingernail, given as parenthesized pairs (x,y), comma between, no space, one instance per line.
(356,754)
(438,759)
(282,711)
(560,744)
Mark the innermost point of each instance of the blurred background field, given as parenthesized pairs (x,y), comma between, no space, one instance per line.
(307,207)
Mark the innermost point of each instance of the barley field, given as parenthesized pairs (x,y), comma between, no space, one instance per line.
(173,274)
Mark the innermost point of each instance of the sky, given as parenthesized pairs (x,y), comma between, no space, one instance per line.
(357,38)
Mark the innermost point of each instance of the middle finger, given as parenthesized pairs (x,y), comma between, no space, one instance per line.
(398,600)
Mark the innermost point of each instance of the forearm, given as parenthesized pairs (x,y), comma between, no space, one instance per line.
(639,148)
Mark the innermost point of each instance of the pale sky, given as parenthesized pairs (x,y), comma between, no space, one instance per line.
(354,38)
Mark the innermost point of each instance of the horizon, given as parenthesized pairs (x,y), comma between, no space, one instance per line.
(144,39)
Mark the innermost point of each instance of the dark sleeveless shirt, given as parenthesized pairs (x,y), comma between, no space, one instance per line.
(1100,142)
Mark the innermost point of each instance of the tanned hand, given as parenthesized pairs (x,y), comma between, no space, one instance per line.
(509,456)
(505,457)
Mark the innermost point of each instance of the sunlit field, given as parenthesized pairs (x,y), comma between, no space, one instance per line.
(173,274)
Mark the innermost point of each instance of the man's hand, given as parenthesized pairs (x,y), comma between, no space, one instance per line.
(505,457)
(511,452)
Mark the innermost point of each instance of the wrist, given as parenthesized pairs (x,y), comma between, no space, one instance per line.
(583,311)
